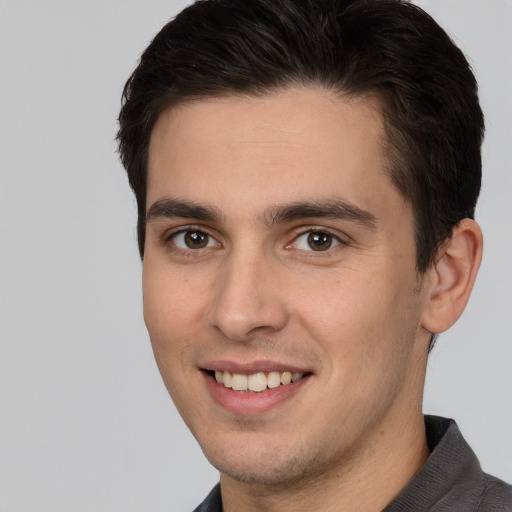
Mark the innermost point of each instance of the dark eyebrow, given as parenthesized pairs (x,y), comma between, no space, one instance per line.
(330,209)
(170,208)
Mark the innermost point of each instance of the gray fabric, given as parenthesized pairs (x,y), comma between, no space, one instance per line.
(451,479)
(212,503)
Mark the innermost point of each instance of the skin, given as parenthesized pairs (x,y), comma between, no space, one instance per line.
(356,316)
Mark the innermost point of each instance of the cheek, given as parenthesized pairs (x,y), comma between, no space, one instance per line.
(359,316)
(339,304)
(171,317)
(172,305)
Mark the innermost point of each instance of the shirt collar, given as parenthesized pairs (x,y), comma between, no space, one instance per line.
(451,476)
(452,473)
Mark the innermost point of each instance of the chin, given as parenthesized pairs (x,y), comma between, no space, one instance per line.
(269,466)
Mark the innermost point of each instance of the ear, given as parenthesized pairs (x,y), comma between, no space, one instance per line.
(452,277)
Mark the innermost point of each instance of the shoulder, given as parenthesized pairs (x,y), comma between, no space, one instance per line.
(496,496)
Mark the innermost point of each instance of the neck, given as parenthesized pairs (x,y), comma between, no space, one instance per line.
(366,481)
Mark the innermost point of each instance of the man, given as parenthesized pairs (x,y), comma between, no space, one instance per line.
(306,174)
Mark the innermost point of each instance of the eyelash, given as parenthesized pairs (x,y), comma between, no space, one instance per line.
(169,241)
(336,239)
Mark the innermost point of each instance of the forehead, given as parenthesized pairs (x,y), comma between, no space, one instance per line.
(283,146)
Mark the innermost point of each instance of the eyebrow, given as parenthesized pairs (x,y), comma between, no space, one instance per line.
(333,208)
(177,208)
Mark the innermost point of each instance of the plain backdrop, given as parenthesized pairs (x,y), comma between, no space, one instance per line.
(85,422)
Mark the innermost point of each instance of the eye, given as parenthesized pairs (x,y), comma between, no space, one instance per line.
(316,241)
(193,239)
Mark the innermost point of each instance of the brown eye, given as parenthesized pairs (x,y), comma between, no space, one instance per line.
(316,241)
(193,239)
(319,241)
(196,239)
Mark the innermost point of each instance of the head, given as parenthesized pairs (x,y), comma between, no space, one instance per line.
(256,132)
(388,49)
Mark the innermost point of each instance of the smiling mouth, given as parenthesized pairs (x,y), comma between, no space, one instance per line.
(256,382)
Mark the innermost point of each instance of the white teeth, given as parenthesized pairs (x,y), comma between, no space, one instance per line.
(286,378)
(227,377)
(239,382)
(256,382)
(273,380)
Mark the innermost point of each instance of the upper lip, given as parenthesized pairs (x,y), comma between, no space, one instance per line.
(249,368)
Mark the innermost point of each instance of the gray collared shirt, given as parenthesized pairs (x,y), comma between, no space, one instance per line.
(450,480)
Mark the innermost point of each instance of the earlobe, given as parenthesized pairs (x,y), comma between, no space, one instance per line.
(453,276)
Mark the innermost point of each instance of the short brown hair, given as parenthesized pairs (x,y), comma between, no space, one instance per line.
(388,48)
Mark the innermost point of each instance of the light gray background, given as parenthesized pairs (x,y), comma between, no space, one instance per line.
(85,423)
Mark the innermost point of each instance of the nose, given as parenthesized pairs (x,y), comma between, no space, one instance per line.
(249,298)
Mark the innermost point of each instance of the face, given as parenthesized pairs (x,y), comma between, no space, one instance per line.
(280,290)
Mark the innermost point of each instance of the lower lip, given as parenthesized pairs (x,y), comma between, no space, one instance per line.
(252,403)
